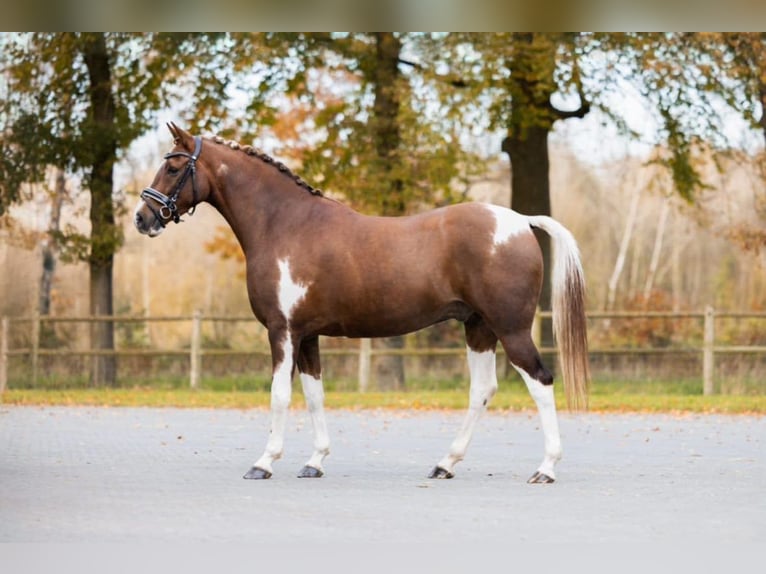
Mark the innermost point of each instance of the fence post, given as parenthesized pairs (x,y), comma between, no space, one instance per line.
(365,362)
(708,359)
(4,355)
(196,344)
(35,346)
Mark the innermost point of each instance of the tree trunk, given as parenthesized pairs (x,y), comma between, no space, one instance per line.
(656,252)
(50,249)
(104,233)
(761,71)
(530,86)
(619,263)
(530,195)
(763,113)
(104,368)
(50,245)
(677,272)
(385,122)
(389,369)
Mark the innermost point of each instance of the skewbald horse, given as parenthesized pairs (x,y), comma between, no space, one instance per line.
(316,267)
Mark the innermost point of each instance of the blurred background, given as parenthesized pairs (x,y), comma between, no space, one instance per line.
(648,147)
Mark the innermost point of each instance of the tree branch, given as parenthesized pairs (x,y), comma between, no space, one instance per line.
(410,63)
(580,112)
(584,108)
(455,83)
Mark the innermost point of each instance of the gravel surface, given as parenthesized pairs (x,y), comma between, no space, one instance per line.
(77,474)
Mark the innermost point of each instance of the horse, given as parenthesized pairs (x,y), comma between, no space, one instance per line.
(315,267)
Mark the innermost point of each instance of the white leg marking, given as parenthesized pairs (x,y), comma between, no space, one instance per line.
(281,391)
(314,394)
(507,224)
(546,405)
(289,294)
(482,368)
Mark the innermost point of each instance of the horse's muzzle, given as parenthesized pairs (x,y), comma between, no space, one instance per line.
(147,223)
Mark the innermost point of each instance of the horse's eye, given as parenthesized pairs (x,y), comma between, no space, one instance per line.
(173,170)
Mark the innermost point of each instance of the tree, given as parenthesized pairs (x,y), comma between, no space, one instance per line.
(373,126)
(531,83)
(75,102)
(745,61)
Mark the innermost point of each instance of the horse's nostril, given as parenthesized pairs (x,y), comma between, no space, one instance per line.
(139,220)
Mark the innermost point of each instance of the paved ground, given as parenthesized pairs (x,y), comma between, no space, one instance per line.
(123,474)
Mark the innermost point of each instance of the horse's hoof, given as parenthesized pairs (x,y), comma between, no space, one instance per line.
(439,472)
(540,478)
(310,472)
(256,473)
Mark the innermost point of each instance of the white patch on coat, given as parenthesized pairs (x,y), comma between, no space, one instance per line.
(482,367)
(508,223)
(283,374)
(289,292)
(223,170)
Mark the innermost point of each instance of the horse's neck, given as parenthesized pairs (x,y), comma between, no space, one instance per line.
(253,210)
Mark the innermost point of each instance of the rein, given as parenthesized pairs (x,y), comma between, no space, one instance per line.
(168,209)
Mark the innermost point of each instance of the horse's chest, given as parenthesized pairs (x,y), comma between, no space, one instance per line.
(276,290)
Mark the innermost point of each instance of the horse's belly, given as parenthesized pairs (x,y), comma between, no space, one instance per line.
(390,320)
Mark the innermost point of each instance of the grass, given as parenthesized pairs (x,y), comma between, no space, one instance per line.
(246,392)
(604,398)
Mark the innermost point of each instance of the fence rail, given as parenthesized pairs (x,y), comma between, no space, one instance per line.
(196,351)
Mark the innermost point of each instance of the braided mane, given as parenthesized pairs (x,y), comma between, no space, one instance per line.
(266,158)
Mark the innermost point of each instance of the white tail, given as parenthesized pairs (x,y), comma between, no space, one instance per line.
(568,301)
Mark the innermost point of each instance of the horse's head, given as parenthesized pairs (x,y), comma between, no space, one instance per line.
(177,188)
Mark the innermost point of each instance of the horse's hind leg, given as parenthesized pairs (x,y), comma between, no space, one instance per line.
(481,343)
(525,358)
(311,379)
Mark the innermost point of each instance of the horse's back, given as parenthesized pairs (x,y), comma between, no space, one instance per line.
(444,251)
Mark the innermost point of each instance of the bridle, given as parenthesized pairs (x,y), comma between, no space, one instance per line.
(168,209)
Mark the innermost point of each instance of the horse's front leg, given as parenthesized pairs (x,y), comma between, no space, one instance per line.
(311,380)
(283,356)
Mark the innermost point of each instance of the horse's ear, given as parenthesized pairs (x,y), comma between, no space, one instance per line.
(173,130)
(181,137)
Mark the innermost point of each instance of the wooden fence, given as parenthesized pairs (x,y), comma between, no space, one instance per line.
(708,349)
